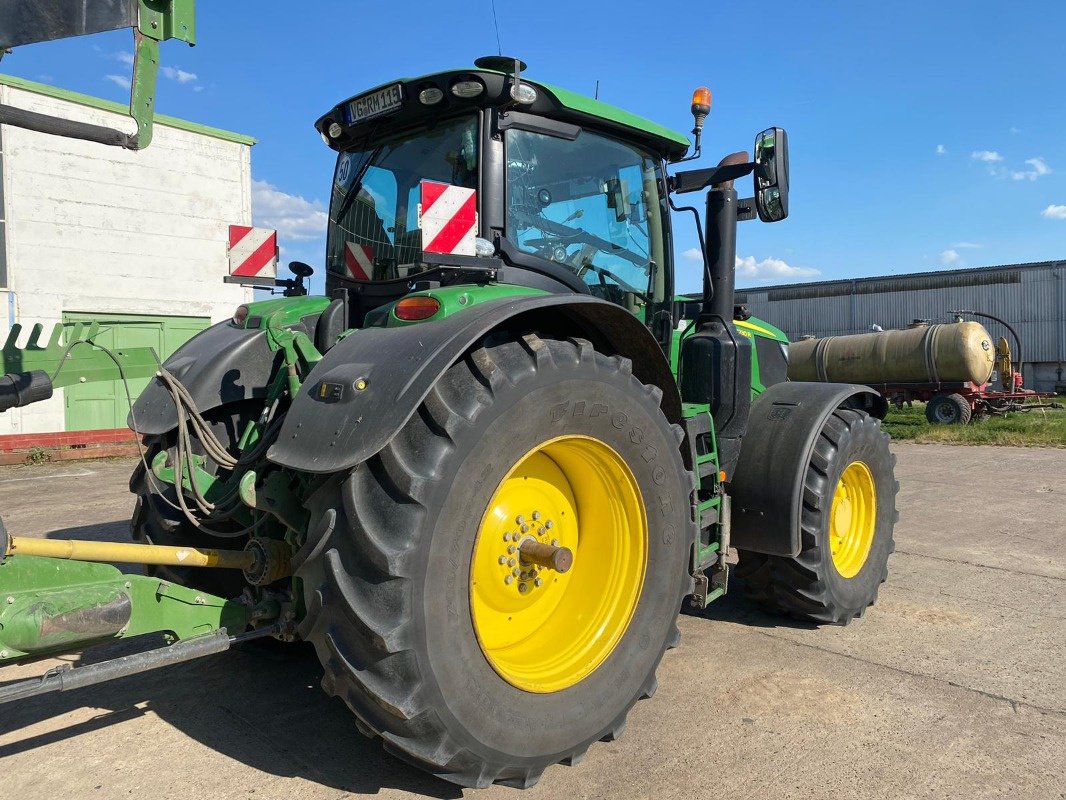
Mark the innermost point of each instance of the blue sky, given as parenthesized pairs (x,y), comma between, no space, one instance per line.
(923,135)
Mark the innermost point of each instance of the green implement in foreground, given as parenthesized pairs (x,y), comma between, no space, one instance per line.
(152,21)
(48,605)
(481,474)
(70,356)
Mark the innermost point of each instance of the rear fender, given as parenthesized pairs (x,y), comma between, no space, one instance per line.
(332,425)
(223,364)
(767,485)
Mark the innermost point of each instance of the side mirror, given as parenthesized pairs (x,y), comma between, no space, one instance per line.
(771,174)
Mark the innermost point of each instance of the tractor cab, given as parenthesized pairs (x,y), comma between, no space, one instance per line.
(570,194)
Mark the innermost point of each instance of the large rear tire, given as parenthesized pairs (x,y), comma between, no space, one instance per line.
(461,667)
(849,510)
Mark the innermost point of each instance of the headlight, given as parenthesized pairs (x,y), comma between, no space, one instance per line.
(524,93)
(467,89)
(430,96)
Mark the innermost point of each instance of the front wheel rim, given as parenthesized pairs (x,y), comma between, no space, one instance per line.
(853,519)
(542,630)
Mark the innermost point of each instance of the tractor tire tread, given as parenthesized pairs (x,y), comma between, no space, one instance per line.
(795,587)
(362,622)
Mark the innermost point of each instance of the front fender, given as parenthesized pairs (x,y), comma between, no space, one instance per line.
(767,485)
(332,425)
(223,364)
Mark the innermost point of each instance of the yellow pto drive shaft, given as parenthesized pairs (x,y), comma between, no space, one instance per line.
(80,550)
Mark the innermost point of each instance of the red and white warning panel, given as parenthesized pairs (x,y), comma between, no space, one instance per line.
(359,260)
(448,218)
(253,255)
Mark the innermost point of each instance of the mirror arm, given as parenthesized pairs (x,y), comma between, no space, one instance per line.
(746,209)
(696,179)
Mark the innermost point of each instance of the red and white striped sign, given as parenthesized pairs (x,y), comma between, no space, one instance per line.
(448,218)
(359,259)
(253,252)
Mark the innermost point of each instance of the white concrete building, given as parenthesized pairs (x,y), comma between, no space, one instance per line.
(136,239)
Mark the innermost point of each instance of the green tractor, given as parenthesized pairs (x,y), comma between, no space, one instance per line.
(482,474)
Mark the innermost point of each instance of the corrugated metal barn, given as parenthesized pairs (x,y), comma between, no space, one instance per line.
(1031,297)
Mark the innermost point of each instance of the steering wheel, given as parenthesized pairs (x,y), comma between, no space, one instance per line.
(581,260)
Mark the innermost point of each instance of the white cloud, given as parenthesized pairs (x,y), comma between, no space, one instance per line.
(1014,129)
(967,245)
(294,217)
(171,73)
(771,269)
(179,75)
(941,150)
(1039,169)
(1054,212)
(950,257)
(692,254)
(119,80)
(198,88)
(988,156)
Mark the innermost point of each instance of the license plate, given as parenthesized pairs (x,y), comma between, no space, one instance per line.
(383,101)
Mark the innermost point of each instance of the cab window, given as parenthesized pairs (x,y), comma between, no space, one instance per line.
(373,229)
(591,205)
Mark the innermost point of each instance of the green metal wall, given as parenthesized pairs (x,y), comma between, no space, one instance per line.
(95,406)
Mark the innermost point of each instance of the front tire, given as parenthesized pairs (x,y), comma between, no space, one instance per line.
(409,604)
(849,511)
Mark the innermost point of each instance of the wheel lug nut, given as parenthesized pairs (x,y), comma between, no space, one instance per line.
(555,542)
(508,580)
(538,582)
(525,529)
(503,559)
(511,548)
(511,562)
(523,588)
(541,530)
(549,524)
(536,515)
(519,520)
(516,572)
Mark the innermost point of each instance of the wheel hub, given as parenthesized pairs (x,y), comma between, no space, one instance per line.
(852,519)
(527,553)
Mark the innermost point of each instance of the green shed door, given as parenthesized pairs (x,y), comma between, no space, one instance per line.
(96,406)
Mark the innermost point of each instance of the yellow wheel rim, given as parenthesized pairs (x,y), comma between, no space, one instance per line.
(852,519)
(543,630)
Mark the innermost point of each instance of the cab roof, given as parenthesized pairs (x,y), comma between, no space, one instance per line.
(552,101)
